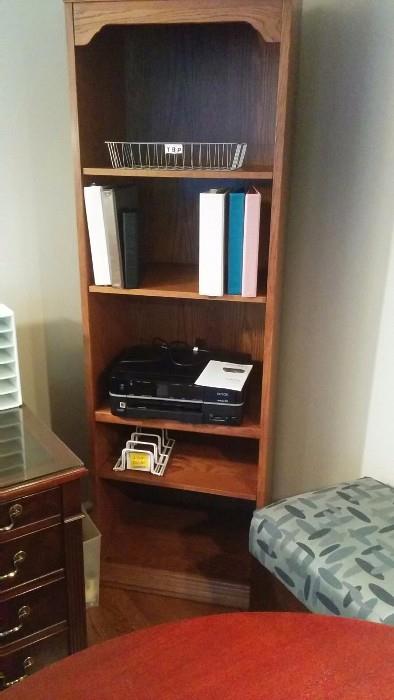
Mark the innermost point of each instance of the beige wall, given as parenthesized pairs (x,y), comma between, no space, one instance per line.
(378,458)
(38,255)
(336,355)
(19,256)
(338,243)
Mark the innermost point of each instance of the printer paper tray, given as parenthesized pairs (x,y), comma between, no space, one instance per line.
(142,412)
(186,412)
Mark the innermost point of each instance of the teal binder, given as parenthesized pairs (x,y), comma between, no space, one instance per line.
(235,242)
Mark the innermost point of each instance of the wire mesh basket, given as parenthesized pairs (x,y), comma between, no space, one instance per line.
(176,156)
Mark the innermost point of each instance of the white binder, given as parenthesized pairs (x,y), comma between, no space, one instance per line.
(97,237)
(212,242)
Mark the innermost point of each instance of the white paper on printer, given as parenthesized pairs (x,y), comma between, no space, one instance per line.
(224,375)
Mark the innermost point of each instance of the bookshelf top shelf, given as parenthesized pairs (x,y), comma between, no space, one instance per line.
(258,172)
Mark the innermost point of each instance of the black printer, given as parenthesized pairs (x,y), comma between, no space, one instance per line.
(158,381)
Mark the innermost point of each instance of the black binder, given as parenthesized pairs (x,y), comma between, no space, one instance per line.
(130,248)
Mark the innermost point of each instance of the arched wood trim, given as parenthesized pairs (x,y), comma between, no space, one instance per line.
(90,17)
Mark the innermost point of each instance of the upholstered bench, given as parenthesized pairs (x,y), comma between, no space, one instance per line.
(333,549)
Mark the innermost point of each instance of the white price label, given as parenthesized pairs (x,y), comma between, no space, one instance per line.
(173,149)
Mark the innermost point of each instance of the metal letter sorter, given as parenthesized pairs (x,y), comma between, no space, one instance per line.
(176,156)
(154,448)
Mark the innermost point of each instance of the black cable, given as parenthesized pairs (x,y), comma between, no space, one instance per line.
(177,346)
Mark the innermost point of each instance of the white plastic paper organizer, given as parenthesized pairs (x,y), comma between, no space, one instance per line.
(10,385)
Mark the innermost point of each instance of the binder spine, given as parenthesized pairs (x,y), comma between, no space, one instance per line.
(212,243)
(235,242)
(130,249)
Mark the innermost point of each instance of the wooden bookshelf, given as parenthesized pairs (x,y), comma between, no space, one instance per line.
(175,281)
(129,65)
(261,172)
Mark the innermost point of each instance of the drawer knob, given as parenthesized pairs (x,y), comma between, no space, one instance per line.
(19,558)
(23,612)
(27,666)
(14,512)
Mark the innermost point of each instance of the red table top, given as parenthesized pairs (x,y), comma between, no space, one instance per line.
(251,656)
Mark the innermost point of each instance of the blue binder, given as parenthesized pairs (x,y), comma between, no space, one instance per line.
(235,242)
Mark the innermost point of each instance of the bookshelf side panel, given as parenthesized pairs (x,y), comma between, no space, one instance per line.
(286,84)
(85,266)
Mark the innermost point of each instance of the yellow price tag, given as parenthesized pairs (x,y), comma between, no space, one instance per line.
(138,460)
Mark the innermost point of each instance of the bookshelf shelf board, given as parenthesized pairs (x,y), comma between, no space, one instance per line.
(250,427)
(255,172)
(203,468)
(174,281)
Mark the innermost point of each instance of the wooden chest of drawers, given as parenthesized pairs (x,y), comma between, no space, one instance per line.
(42,605)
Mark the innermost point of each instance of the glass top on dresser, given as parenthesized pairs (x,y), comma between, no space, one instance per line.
(29,449)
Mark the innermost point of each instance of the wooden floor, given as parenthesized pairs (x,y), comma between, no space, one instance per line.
(122,611)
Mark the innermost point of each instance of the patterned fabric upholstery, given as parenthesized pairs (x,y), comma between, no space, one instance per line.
(333,548)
